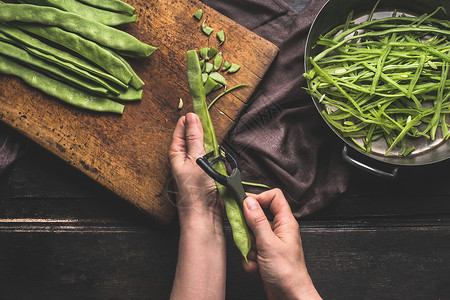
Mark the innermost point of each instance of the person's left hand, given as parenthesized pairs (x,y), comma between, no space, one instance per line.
(197,194)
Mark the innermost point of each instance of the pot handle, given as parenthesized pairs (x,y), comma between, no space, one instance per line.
(362,166)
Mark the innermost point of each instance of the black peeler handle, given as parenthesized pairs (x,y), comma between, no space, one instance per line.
(233,181)
(204,163)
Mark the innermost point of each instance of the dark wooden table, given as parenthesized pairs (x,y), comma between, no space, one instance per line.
(62,236)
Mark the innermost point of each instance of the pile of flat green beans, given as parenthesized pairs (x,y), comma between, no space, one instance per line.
(71,51)
(385,80)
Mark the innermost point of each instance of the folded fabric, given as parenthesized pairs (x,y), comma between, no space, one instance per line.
(11,147)
(280,139)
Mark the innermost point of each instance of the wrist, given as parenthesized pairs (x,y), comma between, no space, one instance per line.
(297,287)
(304,289)
(201,224)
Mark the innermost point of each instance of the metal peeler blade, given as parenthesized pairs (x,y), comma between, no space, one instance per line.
(233,180)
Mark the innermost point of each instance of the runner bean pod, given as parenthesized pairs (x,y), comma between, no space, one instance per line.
(234,213)
(102,16)
(56,72)
(62,58)
(88,49)
(112,5)
(91,30)
(59,90)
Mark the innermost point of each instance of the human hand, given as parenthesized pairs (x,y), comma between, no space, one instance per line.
(197,195)
(277,253)
(200,213)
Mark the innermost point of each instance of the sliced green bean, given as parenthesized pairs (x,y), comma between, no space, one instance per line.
(234,68)
(91,30)
(211,53)
(198,14)
(210,85)
(218,59)
(59,90)
(205,77)
(218,78)
(100,15)
(203,52)
(226,66)
(209,67)
(221,37)
(112,5)
(234,213)
(206,29)
(88,49)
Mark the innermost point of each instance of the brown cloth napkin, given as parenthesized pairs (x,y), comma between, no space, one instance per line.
(280,139)
(12,146)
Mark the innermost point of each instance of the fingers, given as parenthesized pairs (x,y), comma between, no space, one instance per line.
(177,148)
(251,265)
(277,203)
(257,221)
(187,139)
(194,136)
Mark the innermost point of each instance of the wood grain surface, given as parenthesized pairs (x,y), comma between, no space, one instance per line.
(128,154)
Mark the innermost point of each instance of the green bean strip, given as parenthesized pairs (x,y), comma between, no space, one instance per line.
(234,213)
(403,62)
(417,75)
(112,5)
(328,77)
(402,134)
(56,72)
(432,126)
(256,184)
(21,38)
(225,92)
(58,89)
(380,65)
(102,16)
(94,31)
(90,50)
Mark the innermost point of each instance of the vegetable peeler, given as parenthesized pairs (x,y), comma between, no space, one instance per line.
(232,181)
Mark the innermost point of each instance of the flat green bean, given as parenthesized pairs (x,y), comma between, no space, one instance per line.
(57,89)
(86,48)
(112,5)
(62,64)
(232,208)
(54,71)
(91,30)
(22,38)
(102,16)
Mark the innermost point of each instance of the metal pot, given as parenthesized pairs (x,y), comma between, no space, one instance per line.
(335,12)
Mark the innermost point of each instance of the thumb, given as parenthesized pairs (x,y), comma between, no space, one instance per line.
(257,221)
(194,136)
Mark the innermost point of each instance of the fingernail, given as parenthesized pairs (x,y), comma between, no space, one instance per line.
(251,203)
(191,119)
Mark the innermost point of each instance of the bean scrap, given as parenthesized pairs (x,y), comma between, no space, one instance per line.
(198,14)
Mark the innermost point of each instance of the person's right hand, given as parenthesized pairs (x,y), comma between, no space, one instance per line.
(277,253)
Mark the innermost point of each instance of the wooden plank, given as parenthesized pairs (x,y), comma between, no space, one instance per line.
(128,154)
(383,260)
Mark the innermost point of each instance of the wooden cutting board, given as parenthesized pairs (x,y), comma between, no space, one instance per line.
(128,154)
